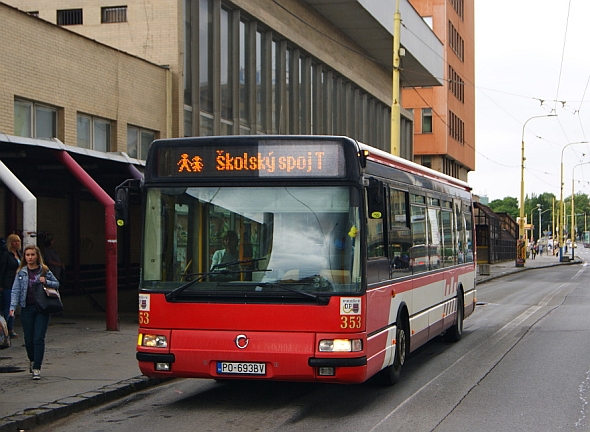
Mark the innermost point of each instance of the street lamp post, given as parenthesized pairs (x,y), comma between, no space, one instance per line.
(539,208)
(520,248)
(562,223)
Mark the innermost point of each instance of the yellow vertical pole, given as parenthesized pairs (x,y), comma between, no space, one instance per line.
(572,224)
(395,104)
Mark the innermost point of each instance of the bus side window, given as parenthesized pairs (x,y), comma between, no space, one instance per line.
(399,236)
(377,263)
(419,251)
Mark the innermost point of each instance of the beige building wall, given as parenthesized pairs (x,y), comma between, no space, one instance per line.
(52,65)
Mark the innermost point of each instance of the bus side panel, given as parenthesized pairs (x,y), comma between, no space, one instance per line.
(431,303)
(382,306)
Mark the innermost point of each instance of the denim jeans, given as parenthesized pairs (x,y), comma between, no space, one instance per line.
(34,327)
(6,293)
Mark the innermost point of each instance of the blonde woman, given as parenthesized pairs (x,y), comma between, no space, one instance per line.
(34,321)
(9,262)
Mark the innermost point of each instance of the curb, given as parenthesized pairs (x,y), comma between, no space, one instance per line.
(521,269)
(47,413)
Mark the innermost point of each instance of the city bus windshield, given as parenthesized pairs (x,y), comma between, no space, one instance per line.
(254,240)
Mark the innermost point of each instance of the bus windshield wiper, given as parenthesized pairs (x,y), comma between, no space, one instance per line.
(232,263)
(287,285)
(171,296)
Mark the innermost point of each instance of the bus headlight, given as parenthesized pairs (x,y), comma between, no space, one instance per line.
(341,345)
(152,340)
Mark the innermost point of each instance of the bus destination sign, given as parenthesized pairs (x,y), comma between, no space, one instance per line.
(258,159)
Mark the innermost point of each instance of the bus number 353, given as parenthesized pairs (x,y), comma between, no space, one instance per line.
(350,322)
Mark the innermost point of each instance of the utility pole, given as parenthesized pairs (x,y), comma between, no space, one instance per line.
(395,104)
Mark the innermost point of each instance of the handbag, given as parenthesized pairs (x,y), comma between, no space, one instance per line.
(4,335)
(48,299)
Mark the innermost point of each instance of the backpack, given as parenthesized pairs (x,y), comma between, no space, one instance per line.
(4,336)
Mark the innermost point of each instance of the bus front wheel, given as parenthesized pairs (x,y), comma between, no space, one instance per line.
(391,374)
(454,333)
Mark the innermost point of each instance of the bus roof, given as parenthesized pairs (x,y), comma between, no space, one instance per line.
(384,158)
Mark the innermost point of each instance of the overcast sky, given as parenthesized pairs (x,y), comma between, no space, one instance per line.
(532,58)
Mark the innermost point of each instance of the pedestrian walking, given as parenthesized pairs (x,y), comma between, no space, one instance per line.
(52,259)
(10,259)
(34,322)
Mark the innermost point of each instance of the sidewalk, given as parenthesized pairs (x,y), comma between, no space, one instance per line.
(509,267)
(86,365)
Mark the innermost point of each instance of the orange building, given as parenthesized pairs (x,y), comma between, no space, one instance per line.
(444,117)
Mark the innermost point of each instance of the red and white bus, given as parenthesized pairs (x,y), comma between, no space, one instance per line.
(300,258)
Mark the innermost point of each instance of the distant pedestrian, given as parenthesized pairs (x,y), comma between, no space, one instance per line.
(540,250)
(533,252)
(34,322)
(52,259)
(9,262)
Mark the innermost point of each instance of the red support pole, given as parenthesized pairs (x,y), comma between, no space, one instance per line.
(112,306)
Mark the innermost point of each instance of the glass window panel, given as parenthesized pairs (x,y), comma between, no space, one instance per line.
(449,252)
(259,83)
(206,125)
(400,239)
(285,235)
(83,132)
(45,122)
(434,238)
(426,120)
(188,48)
(243,75)
(23,119)
(226,71)
(206,54)
(146,139)
(274,80)
(102,135)
(132,141)
(418,251)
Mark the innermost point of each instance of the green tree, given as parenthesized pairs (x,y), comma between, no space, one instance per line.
(506,205)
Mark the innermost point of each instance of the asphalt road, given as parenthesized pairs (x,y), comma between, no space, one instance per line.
(523,365)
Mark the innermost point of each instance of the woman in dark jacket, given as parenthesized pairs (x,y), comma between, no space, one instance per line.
(9,262)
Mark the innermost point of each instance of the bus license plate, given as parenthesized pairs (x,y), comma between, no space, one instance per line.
(241,368)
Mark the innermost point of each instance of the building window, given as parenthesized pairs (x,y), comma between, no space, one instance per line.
(456,84)
(69,17)
(426,120)
(456,41)
(427,161)
(94,133)
(227,71)
(34,120)
(456,127)
(252,76)
(113,14)
(459,7)
(138,141)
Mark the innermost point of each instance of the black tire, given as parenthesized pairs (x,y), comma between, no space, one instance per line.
(454,333)
(391,374)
